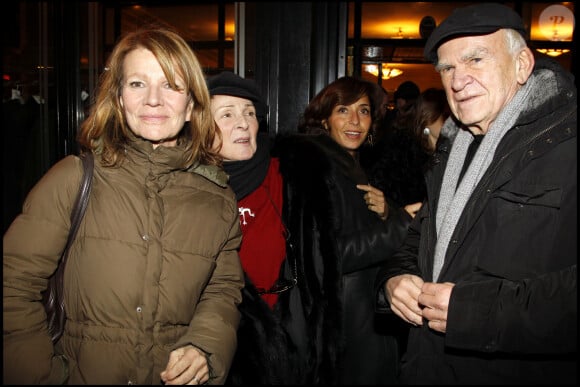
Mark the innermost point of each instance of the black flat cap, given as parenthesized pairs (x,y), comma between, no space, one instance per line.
(228,83)
(476,19)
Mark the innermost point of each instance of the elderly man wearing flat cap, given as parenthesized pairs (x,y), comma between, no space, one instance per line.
(487,274)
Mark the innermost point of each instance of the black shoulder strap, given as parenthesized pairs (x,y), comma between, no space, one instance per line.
(53,298)
(82,199)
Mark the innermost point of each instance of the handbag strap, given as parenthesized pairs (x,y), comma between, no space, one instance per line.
(79,207)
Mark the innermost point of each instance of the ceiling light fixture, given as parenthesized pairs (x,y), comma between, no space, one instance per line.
(387,73)
(553,51)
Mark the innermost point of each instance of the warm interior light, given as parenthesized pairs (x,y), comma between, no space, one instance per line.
(553,51)
(388,72)
(556,23)
(230,29)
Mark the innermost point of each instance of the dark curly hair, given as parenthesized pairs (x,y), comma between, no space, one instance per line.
(343,91)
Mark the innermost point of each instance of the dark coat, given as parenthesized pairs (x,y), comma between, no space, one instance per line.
(396,165)
(339,245)
(265,354)
(513,255)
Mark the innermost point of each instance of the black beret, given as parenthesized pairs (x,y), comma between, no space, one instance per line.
(228,83)
(476,19)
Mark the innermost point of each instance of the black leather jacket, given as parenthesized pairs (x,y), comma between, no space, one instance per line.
(338,247)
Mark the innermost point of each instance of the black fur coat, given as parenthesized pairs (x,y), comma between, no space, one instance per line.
(338,247)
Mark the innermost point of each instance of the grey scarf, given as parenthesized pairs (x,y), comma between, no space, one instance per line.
(452,201)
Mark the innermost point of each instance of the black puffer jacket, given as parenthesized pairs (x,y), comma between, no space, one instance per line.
(338,245)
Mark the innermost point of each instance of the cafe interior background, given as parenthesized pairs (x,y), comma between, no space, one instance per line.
(54,51)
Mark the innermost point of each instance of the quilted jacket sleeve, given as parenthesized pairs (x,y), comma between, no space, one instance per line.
(32,247)
(215,322)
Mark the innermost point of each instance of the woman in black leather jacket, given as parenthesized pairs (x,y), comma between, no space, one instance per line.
(341,230)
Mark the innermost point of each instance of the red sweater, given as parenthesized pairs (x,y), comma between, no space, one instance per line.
(263,245)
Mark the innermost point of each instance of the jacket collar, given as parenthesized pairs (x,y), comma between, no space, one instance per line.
(165,160)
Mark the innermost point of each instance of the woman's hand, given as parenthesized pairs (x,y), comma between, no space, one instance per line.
(375,200)
(186,365)
(413,208)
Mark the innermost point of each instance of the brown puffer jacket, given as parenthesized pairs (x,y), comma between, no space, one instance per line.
(154,267)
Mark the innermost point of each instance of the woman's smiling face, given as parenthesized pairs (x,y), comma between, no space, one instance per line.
(153,110)
(349,125)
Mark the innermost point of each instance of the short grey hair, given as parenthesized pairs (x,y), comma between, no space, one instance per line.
(514,40)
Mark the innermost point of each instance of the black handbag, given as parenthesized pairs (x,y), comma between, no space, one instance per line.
(52,297)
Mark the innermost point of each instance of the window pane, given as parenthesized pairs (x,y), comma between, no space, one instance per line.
(208,58)
(230,22)
(229,59)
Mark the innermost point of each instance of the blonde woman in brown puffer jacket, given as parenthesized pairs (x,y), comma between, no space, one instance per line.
(153,279)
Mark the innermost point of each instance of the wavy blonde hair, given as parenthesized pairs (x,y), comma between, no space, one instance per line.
(105,130)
